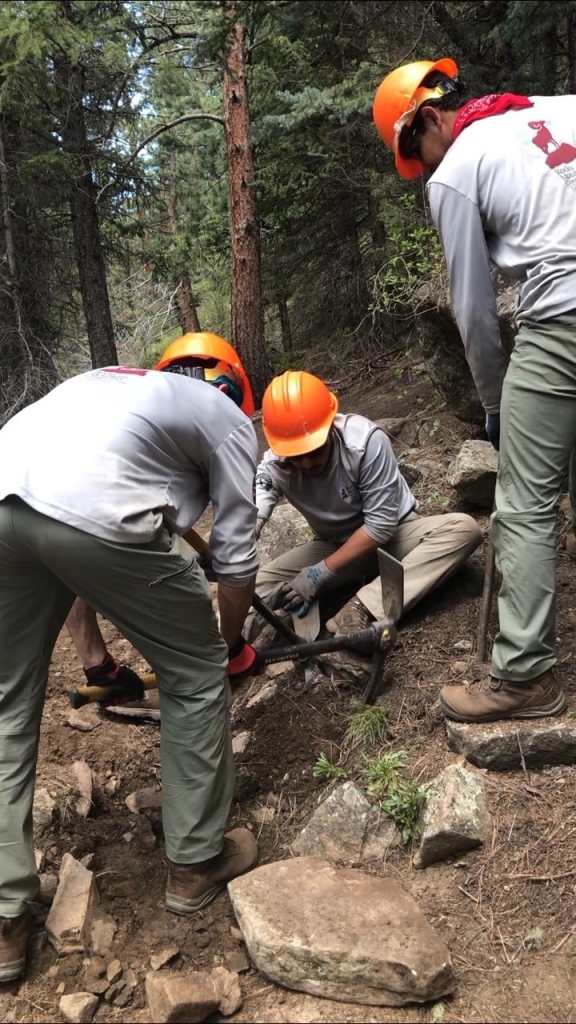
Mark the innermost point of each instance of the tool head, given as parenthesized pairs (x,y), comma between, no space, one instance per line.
(392,582)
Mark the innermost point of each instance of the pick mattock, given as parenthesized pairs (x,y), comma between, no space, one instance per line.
(376,641)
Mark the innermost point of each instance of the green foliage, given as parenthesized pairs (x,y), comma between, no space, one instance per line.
(326,769)
(366,726)
(399,796)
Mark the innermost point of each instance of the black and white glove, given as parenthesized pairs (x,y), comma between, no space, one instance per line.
(493,429)
(305,587)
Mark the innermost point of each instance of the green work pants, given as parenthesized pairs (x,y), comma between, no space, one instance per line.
(155,595)
(538,432)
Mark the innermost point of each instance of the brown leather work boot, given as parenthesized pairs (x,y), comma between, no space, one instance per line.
(490,699)
(192,886)
(570,545)
(14,935)
(352,617)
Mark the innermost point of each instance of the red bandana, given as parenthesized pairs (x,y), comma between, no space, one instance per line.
(486,106)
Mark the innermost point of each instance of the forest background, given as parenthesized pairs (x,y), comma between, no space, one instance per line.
(182,165)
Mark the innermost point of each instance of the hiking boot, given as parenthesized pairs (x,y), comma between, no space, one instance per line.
(14,935)
(145,710)
(352,617)
(570,545)
(490,699)
(192,886)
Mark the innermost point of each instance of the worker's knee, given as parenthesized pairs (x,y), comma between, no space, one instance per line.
(470,532)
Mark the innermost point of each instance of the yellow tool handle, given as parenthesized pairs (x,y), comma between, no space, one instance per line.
(82,695)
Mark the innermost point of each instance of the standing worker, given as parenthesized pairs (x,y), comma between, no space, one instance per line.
(99,480)
(503,188)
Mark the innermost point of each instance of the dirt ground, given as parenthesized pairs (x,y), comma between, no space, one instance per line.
(506,911)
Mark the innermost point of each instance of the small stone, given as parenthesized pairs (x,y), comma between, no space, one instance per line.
(39,859)
(279,668)
(75,895)
(100,933)
(263,815)
(78,1007)
(463,645)
(144,798)
(236,934)
(111,787)
(48,888)
(228,989)
(263,695)
(159,960)
(61,988)
(459,667)
(130,978)
(534,940)
(83,774)
(114,971)
(237,961)
(203,941)
(240,743)
(187,997)
(128,837)
(455,817)
(43,812)
(77,720)
(124,996)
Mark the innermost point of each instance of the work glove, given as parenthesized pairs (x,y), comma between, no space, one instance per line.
(243,661)
(127,684)
(493,429)
(305,587)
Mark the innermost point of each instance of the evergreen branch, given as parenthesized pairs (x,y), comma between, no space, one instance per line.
(172,124)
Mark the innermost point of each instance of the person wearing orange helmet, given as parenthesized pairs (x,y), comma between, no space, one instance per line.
(99,481)
(503,189)
(341,473)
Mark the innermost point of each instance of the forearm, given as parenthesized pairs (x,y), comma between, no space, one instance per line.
(85,634)
(234,603)
(356,547)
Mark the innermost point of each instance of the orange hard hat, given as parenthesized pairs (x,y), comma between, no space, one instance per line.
(297,413)
(398,98)
(223,363)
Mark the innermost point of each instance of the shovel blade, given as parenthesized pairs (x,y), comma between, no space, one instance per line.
(392,582)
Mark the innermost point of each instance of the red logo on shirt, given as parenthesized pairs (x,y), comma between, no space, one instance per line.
(561,152)
(126,369)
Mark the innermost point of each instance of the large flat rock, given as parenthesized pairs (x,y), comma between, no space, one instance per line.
(340,933)
(503,745)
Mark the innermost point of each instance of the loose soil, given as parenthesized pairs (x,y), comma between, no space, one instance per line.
(486,904)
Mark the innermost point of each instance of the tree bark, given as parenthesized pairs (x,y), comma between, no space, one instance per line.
(83,209)
(282,300)
(184,295)
(247,305)
(572,51)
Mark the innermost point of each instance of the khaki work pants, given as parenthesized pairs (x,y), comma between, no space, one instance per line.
(538,417)
(430,548)
(158,598)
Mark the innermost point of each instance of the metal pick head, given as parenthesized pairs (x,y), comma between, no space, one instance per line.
(392,582)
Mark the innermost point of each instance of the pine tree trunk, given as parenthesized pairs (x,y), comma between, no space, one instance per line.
(572,52)
(84,211)
(184,295)
(281,299)
(247,306)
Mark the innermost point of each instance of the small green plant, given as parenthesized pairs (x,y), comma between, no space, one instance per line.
(366,726)
(399,796)
(404,805)
(381,774)
(326,769)
(434,428)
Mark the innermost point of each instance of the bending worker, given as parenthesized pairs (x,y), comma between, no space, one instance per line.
(503,188)
(99,479)
(341,473)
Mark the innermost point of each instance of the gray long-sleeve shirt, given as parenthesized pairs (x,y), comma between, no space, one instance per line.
(116,452)
(361,485)
(506,192)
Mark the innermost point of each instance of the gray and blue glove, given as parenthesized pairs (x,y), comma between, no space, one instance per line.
(493,429)
(305,587)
